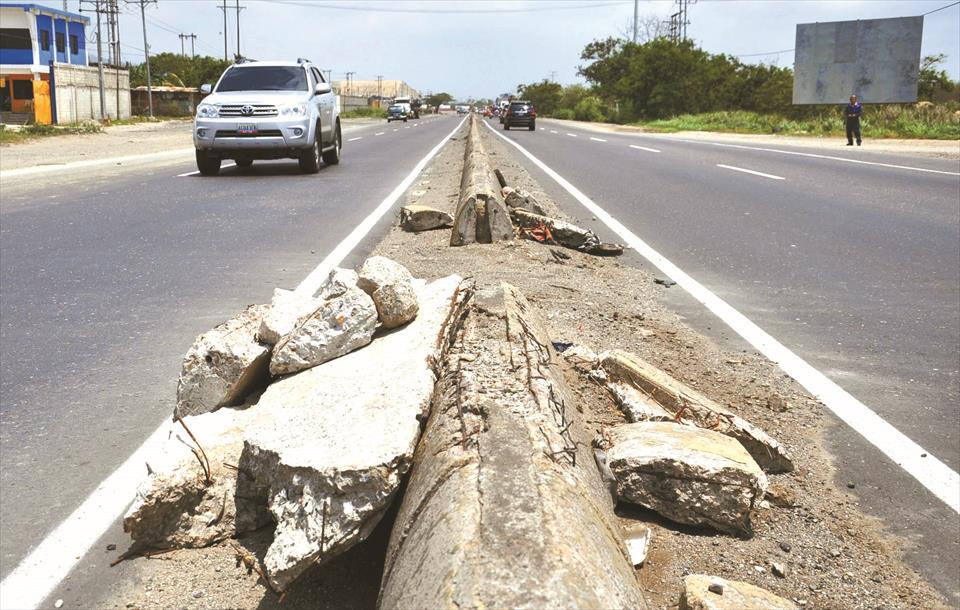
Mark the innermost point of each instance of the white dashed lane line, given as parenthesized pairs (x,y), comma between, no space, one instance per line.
(379,133)
(750,171)
(355,139)
(195,172)
(597,139)
(653,150)
(553,131)
(572,135)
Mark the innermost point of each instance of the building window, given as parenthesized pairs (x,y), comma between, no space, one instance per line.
(15,38)
(23,89)
(60,42)
(44,40)
(74,45)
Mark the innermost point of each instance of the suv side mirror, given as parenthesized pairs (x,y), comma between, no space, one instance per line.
(323,88)
(206,88)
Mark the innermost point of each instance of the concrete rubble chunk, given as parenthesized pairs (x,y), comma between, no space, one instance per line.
(224,365)
(689,475)
(562,232)
(286,307)
(338,283)
(519,198)
(338,327)
(505,507)
(581,357)
(688,405)
(338,441)
(699,594)
(174,506)
(390,285)
(416,218)
(636,405)
(637,537)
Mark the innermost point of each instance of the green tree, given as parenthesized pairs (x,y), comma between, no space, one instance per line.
(177,70)
(545,95)
(930,81)
(438,99)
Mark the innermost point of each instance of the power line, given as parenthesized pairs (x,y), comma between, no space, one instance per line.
(759,54)
(391,9)
(940,9)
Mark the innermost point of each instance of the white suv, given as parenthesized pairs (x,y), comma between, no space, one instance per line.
(268,110)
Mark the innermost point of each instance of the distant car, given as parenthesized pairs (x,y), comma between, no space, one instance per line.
(520,113)
(463,109)
(396,113)
(268,110)
(487,113)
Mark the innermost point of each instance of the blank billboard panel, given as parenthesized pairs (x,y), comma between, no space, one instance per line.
(877,59)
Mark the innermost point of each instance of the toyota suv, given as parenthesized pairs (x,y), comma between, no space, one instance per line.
(520,112)
(268,110)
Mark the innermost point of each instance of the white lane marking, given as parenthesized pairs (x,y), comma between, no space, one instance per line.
(929,471)
(355,139)
(195,172)
(315,279)
(396,129)
(750,171)
(46,566)
(572,135)
(543,129)
(597,139)
(813,155)
(44,169)
(406,127)
(379,133)
(653,150)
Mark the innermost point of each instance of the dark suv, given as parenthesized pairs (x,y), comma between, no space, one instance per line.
(520,113)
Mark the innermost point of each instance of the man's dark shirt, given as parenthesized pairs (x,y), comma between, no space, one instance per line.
(853,112)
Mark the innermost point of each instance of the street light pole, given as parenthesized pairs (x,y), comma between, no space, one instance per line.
(635,18)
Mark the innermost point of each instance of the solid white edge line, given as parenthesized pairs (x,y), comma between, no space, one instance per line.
(597,139)
(929,471)
(355,139)
(813,155)
(553,131)
(572,135)
(379,133)
(315,279)
(653,150)
(44,169)
(750,171)
(195,172)
(51,561)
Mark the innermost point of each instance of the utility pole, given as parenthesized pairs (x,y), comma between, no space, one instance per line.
(239,8)
(146,49)
(183,51)
(379,90)
(349,84)
(682,20)
(636,8)
(224,9)
(553,76)
(193,51)
(103,97)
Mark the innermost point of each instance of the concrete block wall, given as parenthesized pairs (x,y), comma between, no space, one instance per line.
(78,93)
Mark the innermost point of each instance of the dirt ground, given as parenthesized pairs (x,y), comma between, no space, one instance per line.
(832,554)
(944,149)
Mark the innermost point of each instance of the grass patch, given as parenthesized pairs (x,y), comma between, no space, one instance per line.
(37,130)
(364,113)
(935,122)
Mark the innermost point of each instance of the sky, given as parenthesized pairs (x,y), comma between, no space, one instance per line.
(479,49)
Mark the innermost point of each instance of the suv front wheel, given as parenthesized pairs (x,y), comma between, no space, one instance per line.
(310,159)
(332,157)
(208,166)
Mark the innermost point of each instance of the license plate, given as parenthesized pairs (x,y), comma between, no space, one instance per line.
(246,130)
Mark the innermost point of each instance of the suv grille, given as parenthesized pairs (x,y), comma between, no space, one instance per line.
(258,110)
(263,133)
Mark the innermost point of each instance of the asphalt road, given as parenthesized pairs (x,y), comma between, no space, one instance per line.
(854,267)
(108,276)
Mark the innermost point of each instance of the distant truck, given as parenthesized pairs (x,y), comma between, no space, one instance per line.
(411,106)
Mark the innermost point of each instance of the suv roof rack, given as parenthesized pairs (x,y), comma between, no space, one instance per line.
(303,60)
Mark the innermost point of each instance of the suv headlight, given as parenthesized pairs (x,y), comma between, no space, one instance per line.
(208,111)
(294,110)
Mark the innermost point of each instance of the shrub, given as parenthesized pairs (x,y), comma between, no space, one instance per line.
(564,114)
(364,113)
(589,109)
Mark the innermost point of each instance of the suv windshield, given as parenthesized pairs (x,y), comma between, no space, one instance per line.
(264,78)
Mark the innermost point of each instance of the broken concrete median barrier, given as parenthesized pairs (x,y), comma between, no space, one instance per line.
(390,285)
(702,592)
(286,307)
(550,230)
(416,218)
(340,326)
(224,365)
(338,440)
(689,475)
(505,507)
(481,216)
(689,406)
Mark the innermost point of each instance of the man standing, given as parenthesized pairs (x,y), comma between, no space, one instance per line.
(853,112)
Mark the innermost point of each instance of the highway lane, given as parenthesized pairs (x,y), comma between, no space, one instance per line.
(107,278)
(854,267)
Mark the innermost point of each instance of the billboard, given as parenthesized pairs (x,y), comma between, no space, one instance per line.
(876,59)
